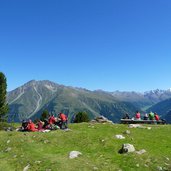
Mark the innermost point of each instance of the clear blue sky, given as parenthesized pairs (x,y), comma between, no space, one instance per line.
(95,44)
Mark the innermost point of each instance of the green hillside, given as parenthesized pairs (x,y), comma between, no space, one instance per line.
(29,101)
(162,108)
(96,142)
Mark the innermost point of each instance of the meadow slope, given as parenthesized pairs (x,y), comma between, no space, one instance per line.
(97,143)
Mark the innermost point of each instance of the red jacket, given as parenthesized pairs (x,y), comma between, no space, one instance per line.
(52,120)
(138,116)
(63,117)
(31,127)
(156,117)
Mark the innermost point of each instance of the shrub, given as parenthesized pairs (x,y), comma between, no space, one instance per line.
(81,117)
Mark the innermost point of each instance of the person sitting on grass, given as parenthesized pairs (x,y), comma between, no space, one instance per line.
(24,125)
(40,125)
(31,126)
(63,119)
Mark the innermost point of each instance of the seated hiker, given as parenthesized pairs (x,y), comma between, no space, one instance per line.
(31,126)
(63,119)
(138,115)
(145,116)
(40,125)
(24,125)
(156,116)
(126,116)
(51,120)
(151,116)
(163,121)
(46,124)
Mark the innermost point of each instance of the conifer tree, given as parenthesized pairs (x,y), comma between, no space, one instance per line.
(3,94)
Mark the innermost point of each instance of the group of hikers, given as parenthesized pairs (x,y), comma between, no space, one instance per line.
(49,123)
(149,116)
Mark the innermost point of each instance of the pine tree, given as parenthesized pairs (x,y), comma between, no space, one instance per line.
(3,94)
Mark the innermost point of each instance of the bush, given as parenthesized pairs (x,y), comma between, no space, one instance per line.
(81,117)
(4,125)
(44,115)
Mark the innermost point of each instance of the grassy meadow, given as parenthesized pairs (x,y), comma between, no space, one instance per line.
(37,151)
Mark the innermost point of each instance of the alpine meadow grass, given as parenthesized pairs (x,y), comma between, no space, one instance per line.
(37,151)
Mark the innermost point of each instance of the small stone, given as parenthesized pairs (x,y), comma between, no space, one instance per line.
(46,141)
(159,168)
(166,164)
(27,167)
(127,132)
(8,149)
(74,154)
(141,152)
(167,158)
(37,162)
(146,165)
(95,168)
(148,128)
(119,137)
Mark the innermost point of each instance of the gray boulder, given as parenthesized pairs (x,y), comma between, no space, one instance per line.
(127,148)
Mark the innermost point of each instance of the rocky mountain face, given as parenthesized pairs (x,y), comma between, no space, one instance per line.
(29,100)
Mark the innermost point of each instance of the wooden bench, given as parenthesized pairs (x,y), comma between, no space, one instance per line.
(130,121)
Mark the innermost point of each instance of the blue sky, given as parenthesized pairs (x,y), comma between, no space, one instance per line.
(95,44)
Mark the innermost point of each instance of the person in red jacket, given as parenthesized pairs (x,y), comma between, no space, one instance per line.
(40,125)
(138,115)
(51,120)
(64,120)
(31,126)
(156,116)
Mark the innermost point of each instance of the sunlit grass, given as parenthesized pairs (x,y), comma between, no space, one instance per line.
(96,142)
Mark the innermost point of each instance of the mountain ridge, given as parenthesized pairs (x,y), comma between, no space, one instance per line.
(30,99)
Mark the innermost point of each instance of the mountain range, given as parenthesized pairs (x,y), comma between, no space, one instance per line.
(32,98)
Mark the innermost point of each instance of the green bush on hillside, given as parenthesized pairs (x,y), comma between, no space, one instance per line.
(81,117)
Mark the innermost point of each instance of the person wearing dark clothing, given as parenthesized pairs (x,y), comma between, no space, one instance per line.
(146,116)
(126,116)
(24,125)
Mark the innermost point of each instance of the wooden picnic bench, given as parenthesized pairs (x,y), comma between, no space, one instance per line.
(131,121)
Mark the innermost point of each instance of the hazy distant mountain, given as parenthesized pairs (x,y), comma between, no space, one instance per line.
(29,100)
(143,100)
